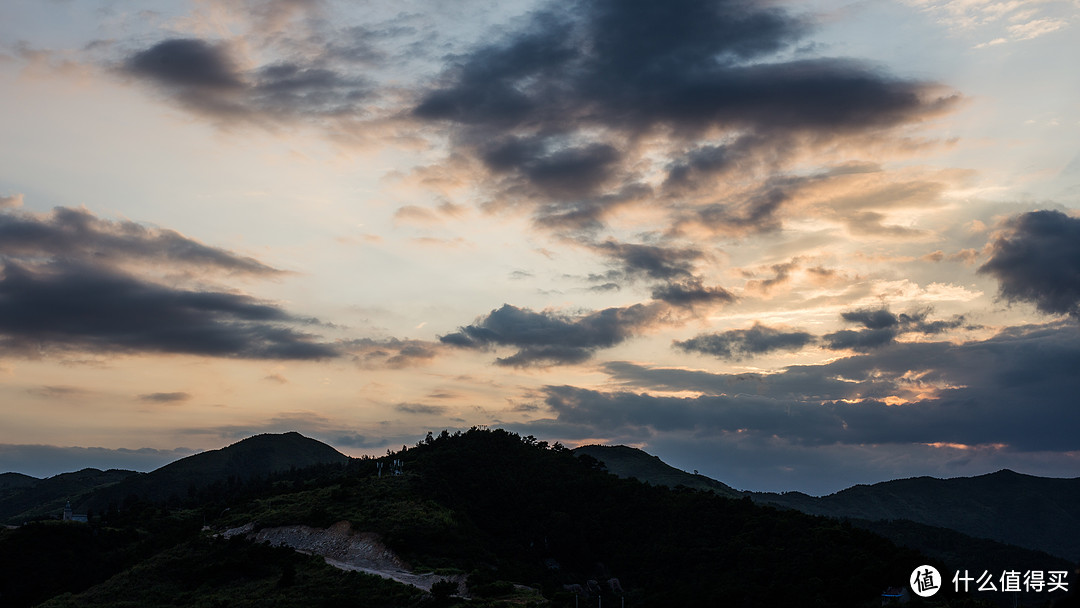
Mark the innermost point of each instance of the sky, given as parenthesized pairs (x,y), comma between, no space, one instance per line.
(791,245)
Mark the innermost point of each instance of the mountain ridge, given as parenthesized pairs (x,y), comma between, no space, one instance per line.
(93,490)
(1027,511)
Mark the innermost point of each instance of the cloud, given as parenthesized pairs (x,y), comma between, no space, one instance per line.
(207,78)
(176,397)
(392,353)
(59,392)
(416,214)
(782,274)
(187,63)
(882,327)
(1016,389)
(66,305)
(556,111)
(47,460)
(691,293)
(72,281)
(79,235)
(419,408)
(651,261)
(1036,258)
(699,65)
(11,201)
(743,343)
(551,338)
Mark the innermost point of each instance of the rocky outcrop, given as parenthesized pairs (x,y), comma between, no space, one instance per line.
(342,548)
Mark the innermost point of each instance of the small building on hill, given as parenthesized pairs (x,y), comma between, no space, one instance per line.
(70,516)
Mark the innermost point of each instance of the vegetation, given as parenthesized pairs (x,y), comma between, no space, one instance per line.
(24,498)
(531,524)
(1009,507)
(212,573)
(632,463)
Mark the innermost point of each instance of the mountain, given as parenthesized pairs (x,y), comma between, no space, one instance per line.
(519,522)
(90,490)
(15,481)
(26,498)
(1023,510)
(512,520)
(990,522)
(632,463)
(250,458)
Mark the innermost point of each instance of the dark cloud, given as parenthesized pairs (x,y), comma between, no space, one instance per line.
(755,211)
(419,408)
(175,397)
(872,319)
(554,110)
(187,63)
(1037,259)
(651,261)
(862,340)
(703,161)
(691,293)
(391,353)
(743,343)
(554,171)
(70,281)
(363,442)
(881,327)
(65,305)
(684,64)
(80,235)
(550,338)
(609,286)
(1016,390)
(48,460)
(782,275)
(204,77)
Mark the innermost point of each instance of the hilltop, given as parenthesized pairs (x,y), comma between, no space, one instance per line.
(1023,510)
(90,490)
(507,520)
(520,522)
(1036,513)
(632,463)
(23,498)
(257,456)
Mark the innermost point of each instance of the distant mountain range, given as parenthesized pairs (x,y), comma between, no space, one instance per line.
(24,498)
(1037,513)
(505,514)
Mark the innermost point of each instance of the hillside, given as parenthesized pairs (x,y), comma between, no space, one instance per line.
(1035,513)
(30,498)
(15,481)
(1022,510)
(632,463)
(253,457)
(524,523)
